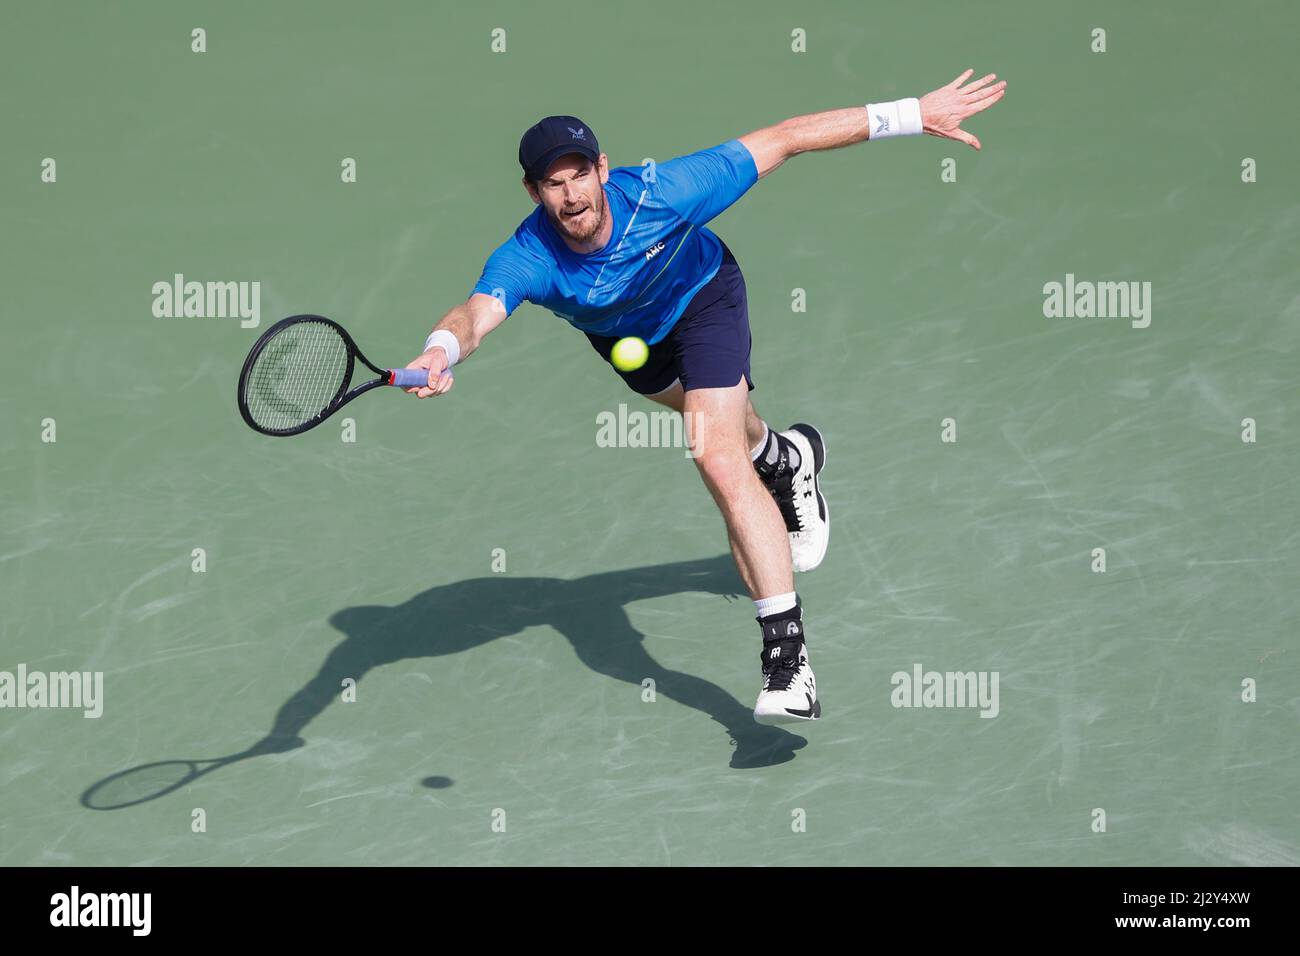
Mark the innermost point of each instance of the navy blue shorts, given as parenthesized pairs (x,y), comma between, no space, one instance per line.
(709,345)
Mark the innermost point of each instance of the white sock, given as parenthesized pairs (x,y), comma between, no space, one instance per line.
(761,446)
(775,604)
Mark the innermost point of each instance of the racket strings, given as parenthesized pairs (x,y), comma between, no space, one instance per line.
(297,375)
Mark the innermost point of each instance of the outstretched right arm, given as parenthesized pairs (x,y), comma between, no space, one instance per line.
(468,322)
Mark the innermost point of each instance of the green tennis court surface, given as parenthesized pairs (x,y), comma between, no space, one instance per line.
(499,586)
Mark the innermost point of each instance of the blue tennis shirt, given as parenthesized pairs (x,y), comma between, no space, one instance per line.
(658,255)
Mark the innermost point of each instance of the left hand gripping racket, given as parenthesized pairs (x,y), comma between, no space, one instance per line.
(299,372)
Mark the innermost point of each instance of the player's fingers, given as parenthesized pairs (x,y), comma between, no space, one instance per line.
(967,138)
(987,97)
(982,105)
(974,86)
(959,81)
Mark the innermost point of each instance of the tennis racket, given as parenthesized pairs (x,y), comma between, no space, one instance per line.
(299,373)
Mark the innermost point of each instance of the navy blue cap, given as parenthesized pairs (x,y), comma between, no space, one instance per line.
(552,138)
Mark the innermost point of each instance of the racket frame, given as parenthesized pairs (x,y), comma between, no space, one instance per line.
(341,397)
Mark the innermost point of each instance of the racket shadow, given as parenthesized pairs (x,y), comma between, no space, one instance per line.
(590,612)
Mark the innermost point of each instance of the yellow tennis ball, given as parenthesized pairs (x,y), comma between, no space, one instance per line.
(629,354)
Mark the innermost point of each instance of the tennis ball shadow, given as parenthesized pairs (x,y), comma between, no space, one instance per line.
(590,612)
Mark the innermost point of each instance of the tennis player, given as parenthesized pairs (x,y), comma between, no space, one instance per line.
(626,252)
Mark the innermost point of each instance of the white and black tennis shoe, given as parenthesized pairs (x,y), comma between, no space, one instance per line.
(789,694)
(790,473)
(809,540)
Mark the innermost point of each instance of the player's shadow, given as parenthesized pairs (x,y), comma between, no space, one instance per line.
(590,612)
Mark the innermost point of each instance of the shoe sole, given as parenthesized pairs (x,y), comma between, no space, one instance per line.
(773,720)
(814,438)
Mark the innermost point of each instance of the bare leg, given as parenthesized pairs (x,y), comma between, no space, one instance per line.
(755,428)
(675,398)
(755,528)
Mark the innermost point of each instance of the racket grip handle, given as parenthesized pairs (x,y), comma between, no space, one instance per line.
(409,377)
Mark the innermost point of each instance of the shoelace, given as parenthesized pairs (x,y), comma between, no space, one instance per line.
(789,514)
(780,671)
(779,481)
(803,497)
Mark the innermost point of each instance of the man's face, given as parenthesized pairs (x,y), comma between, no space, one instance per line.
(572,193)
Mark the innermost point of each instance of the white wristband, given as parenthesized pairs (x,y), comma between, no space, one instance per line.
(448,342)
(899,118)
